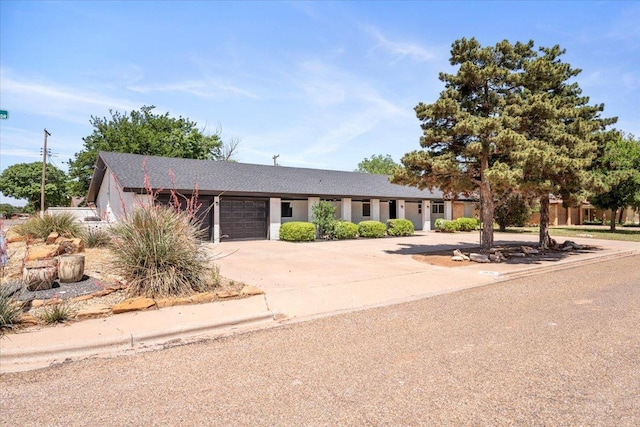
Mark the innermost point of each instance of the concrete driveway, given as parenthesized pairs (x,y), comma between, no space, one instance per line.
(348,274)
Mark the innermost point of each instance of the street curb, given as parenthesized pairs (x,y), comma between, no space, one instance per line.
(26,358)
(515,274)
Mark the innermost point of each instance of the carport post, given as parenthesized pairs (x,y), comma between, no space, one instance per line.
(275,219)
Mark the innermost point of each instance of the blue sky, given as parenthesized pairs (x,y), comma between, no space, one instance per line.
(322,84)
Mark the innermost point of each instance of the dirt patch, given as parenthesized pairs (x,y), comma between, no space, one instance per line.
(441,260)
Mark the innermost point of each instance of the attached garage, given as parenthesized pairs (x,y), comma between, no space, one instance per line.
(243,218)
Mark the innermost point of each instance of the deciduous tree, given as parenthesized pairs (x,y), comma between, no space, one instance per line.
(617,175)
(377,164)
(141,132)
(23,181)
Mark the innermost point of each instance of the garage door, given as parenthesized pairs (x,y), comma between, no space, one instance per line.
(243,219)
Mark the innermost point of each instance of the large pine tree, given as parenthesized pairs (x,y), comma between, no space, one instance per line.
(464,149)
(556,133)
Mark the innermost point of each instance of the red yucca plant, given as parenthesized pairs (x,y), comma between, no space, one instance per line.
(157,249)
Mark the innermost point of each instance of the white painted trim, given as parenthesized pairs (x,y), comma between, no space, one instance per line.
(216,219)
(448,210)
(426,215)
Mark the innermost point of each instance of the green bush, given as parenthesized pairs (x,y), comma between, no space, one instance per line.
(400,227)
(467,224)
(63,223)
(10,311)
(372,229)
(446,226)
(344,230)
(157,250)
(297,231)
(324,215)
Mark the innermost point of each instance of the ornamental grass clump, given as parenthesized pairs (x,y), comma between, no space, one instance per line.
(158,252)
(56,313)
(10,311)
(63,223)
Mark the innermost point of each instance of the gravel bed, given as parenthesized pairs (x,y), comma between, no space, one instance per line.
(63,291)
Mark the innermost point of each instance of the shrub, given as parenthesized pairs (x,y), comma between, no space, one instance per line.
(400,227)
(97,238)
(10,310)
(514,211)
(372,229)
(64,224)
(324,215)
(344,230)
(466,224)
(446,226)
(297,231)
(157,250)
(56,313)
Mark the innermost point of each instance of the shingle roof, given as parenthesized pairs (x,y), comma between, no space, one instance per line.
(216,177)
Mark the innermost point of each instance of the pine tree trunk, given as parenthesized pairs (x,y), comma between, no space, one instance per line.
(486,212)
(621,216)
(545,240)
(612,222)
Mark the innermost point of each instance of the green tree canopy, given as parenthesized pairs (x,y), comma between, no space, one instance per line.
(555,133)
(140,132)
(377,164)
(617,175)
(509,120)
(463,149)
(23,181)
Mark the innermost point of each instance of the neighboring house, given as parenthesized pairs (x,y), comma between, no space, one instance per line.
(247,201)
(585,213)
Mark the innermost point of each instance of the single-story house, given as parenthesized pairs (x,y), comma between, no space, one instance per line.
(249,201)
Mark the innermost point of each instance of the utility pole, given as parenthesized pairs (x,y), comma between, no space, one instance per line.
(275,159)
(44,167)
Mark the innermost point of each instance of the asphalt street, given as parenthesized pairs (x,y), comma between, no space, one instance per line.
(561,348)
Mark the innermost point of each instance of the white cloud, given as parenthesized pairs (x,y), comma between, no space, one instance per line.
(201,88)
(55,100)
(400,49)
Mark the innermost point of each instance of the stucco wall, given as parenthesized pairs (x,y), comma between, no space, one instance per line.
(300,211)
(411,212)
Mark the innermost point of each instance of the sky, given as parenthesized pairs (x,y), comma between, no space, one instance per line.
(321,84)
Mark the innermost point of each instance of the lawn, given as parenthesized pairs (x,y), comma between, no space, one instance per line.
(630,234)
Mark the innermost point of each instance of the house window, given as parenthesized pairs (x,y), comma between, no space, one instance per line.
(366,209)
(437,208)
(419,208)
(286,210)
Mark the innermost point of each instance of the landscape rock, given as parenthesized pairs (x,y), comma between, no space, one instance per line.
(81,298)
(70,246)
(570,244)
(51,239)
(518,255)
(227,294)
(203,297)
(133,304)
(529,250)
(27,319)
(42,252)
(459,258)
(458,253)
(481,258)
(93,310)
(250,290)
(496,257)
(13,237)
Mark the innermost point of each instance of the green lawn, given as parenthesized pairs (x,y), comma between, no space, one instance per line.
(631,234)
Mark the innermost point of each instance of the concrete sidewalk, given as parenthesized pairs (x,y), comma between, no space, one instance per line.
(300,281)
